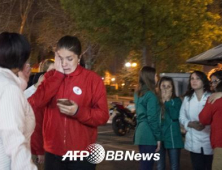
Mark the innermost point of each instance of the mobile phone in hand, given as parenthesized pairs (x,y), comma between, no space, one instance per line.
(66,102)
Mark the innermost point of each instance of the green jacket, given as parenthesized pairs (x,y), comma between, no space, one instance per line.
(171,134)
(148,119)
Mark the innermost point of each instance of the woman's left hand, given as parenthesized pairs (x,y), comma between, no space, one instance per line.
(158,146)
(69,110)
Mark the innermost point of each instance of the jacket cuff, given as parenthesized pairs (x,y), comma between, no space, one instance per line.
(81,112)
(186,126)
(40,152)
(169,103)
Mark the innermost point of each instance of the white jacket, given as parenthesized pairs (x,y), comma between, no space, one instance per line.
(195,140)
(17,123)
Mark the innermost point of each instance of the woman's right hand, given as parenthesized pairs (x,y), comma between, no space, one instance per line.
(58,63)
(213,97)
(166,95)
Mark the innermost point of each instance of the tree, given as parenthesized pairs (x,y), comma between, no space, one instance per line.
(157,28)
(128,75)
(43,22)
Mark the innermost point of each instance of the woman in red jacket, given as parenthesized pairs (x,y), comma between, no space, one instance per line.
(212,115)
(70,125)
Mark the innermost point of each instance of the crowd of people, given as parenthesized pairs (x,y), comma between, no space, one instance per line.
(160,113)
(60,112)
(65,103)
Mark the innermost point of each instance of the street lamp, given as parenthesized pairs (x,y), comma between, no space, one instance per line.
(113,79)
(128,64)
(134,64)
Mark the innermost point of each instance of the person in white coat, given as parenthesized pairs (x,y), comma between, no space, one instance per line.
(197,139)
(17,119)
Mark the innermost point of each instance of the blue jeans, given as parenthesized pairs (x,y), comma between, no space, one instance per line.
(174,157)
(148,164)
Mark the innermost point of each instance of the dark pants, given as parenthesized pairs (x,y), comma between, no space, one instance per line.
(174,156)
(147,164)
(200,161)
(54,162)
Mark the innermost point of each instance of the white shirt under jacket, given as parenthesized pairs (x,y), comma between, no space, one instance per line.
(17,123)
(195,140)
(30,91)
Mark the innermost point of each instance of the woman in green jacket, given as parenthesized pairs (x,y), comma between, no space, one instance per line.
(171,136)
(147,134)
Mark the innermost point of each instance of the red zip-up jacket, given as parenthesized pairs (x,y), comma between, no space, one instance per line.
(37,138)
(64,133)
(212,115)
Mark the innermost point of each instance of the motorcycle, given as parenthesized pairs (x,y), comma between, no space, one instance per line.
(124,120)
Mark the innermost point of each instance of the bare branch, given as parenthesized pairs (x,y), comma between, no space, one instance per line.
(25,15)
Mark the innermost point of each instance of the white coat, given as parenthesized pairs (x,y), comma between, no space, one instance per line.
(195,140)
(17,123)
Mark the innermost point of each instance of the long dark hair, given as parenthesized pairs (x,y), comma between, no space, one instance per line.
(169,79)
(72,44)
(203,77)
(147,78)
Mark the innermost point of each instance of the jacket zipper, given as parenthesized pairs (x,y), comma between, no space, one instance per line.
(65,117)
(172,135)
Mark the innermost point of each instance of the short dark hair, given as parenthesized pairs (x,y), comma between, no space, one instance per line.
(70,43)
(217,74)
(14,50)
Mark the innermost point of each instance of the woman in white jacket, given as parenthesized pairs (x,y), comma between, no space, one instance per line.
(197,139)
(17,120)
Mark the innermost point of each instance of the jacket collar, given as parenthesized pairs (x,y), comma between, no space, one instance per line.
(77,71)
(205,95)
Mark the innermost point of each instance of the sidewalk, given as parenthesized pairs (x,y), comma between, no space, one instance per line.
(117,97)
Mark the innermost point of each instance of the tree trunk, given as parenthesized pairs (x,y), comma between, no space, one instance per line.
(89,57)
(147,57)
